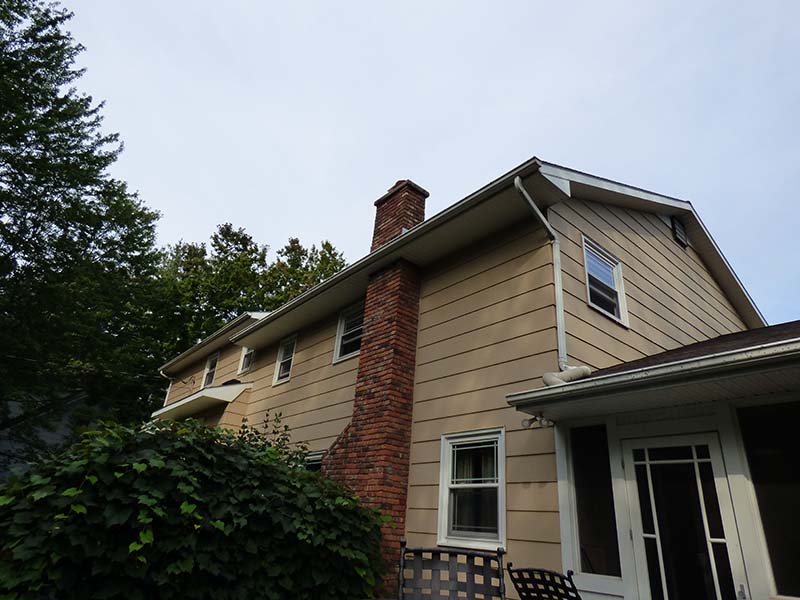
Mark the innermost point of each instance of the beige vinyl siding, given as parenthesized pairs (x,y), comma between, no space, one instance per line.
(487,328)
(190,380)
(317,400)
(672,298)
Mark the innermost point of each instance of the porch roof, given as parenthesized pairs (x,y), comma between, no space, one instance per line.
(750,364)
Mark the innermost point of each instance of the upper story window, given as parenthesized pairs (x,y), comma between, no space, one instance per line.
(348,335)
(246,362)
(211,368)
(283,364)
(604,283)
(472,490)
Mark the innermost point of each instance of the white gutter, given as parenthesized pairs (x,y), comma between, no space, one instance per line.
(654,375)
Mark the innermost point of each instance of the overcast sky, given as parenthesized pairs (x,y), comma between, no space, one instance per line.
(291,118)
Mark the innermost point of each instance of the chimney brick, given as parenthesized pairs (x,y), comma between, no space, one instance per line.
(399,209)
(371,456)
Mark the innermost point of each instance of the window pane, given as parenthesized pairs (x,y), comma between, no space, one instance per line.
(475,462)
(247,360)
(603,297)
(671,453)
(353,321)
(599,268)
(350,346)
(770,441)
(285,369)
(597,525)
(474,512)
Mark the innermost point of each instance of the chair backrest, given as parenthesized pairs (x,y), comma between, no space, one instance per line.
(541,584)
(449,574)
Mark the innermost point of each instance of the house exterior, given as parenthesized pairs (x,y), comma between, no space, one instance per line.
(560,365)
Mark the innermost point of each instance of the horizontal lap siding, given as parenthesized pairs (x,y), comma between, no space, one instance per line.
(190,380)
(486,329)
(672,298)
(317,401)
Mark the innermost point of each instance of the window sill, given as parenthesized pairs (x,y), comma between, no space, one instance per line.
(281,382)
(608,315)
(471,544)
(346,357)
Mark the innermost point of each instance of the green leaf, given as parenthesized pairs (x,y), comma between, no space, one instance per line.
(39,494)
(78,508)
(71,492)
(146,536)
(187,508)
(219,525)
(134,546)
(91,479)
(139,467)
(4,500)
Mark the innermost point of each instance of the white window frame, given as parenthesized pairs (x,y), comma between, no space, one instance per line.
(445,469)
(203,383)
(359,307)
(619,281)
(245,351)
(279,358)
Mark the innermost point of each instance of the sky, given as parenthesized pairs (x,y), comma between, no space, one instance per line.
(291,118)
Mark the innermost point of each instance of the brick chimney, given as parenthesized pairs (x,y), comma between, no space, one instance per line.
(371,456)
(398,210)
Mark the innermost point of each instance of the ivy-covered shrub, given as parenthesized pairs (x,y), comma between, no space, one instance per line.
(180,510)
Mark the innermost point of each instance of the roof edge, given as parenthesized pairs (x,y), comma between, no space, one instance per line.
(656,374)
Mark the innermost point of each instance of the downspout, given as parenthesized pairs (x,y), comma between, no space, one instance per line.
(169,387)
(566,372)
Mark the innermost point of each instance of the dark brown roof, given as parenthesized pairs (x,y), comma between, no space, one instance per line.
(723,343)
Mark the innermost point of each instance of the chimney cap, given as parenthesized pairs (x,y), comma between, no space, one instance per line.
(399,187)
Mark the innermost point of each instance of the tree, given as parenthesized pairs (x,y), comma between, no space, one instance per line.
(210,286)
(179,510)
(77,250)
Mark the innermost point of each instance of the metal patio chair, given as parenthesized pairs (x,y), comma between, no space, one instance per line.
(450,574)
(541,584)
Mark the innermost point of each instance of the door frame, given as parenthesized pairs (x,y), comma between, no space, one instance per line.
(725,501)
(717,417)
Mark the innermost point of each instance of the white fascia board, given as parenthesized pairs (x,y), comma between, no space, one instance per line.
(530,401)
(552,170)
(201,400)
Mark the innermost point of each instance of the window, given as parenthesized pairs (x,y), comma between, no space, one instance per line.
(283,365)
(773,454)
(211,367)
(594,501)
(248,356)
(604,282)
(472,490)
(348,336)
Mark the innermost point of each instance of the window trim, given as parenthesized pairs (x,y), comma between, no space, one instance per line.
(203,383)
(343,314)
(245,350)
(445,467)
(619,281)
(279,358)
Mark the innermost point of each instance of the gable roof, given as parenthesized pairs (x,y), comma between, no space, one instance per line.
(490,209)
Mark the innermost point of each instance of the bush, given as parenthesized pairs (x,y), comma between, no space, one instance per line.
(180,510)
